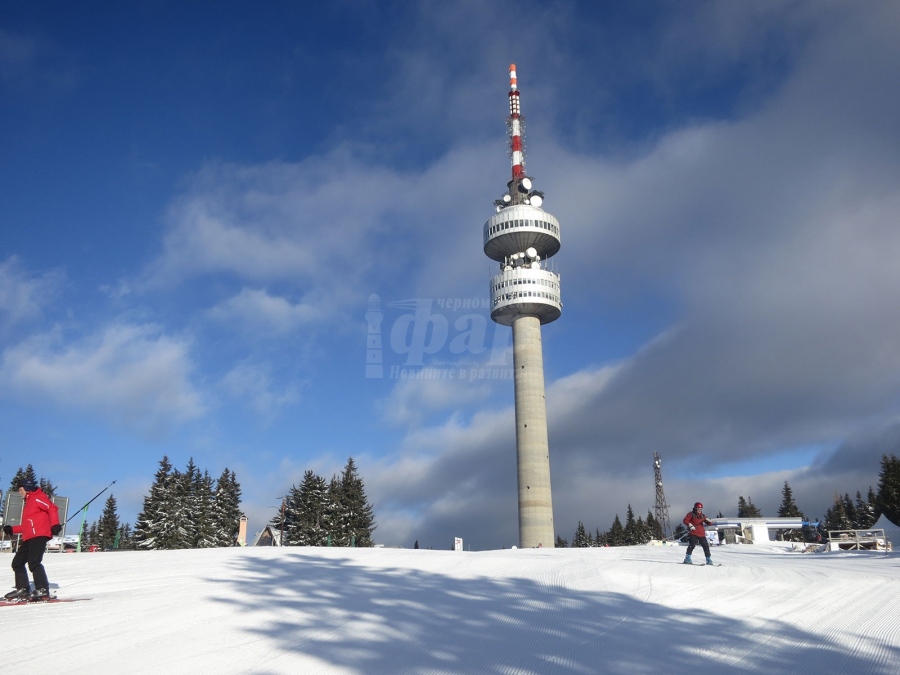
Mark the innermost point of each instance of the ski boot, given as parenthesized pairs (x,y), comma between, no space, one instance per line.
(18,594)
(709,560)
(687,560)
(40,594)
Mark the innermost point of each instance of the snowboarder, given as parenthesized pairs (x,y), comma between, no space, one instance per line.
(40,521)
(695,521)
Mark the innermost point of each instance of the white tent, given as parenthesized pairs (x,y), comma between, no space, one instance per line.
(890,530)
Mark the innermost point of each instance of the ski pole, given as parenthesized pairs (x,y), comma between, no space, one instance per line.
(95,497)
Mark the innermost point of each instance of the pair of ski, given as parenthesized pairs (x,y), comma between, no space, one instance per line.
(50,600)
(703,564)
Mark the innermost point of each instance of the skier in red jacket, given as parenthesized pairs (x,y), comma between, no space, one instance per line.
(40,521)
(695,521)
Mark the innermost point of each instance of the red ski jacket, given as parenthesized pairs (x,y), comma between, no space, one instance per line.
(38,516)
(698,520)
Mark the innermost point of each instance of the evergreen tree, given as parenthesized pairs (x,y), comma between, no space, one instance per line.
(850,510)
(204,534)
(642,532)
(865,511)
(335,517)
(788,509)
(836,517)
(581,538)
(631,533)
(357,518)
(600,538)
(227,509)
(108,525)
(160,525)
(616,536)
(21,476)
(126,538)
(654,527)
(747,509)
(312,504)
(560,542)
(888,500)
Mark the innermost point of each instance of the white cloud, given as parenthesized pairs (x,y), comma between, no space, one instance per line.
(257,311)
(130,374)
(23,296)
(253,382)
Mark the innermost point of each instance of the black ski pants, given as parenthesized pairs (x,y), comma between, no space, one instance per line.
(694,540)
(32,553)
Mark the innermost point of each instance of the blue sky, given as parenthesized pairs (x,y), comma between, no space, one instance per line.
(196,206)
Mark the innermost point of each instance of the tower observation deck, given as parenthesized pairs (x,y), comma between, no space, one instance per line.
(525,294)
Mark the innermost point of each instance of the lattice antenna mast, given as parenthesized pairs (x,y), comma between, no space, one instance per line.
(662,509)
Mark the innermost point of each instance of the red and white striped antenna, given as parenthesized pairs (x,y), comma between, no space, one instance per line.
(516,124)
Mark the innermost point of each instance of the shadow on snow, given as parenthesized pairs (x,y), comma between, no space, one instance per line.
(412,621)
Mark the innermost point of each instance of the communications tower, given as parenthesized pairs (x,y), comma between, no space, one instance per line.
(661,508)
(521,237)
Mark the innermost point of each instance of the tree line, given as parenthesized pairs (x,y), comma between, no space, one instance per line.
(320,513)
(846,513)
(188,509)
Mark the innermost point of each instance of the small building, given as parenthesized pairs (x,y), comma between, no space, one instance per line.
(270,536)
(755,530)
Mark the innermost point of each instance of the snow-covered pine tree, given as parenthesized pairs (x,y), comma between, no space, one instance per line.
(312,504)
(160,525)
(126,537)
(28,473)
(187,507)
(836,517)
(560,542)
(864,511)
(631,534)
(355,509)
(888,500)
(20,476)
(203,512)
(616,536)
(227,508)
(581,539)
(654,527)
(335,516)
(788,509)
(642,532)
(747,509)
(108,525)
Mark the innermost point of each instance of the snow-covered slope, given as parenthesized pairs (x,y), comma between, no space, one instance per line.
(368,611)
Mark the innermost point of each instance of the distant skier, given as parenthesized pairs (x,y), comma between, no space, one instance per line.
(40,521)
(695,522)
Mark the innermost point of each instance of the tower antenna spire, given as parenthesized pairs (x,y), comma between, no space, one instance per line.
(516,125)
(521,237)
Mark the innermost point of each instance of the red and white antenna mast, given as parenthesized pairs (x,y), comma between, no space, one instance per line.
(516,124)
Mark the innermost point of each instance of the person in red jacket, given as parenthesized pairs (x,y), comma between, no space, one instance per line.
(695,521)
(40,521)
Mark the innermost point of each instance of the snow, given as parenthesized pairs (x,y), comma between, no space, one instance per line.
(369,611)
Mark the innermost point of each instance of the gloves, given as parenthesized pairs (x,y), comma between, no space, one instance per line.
(692,528)
(7,530)
(55,529)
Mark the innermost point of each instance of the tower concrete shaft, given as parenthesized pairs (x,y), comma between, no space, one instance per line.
(532,446)
(525,294)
